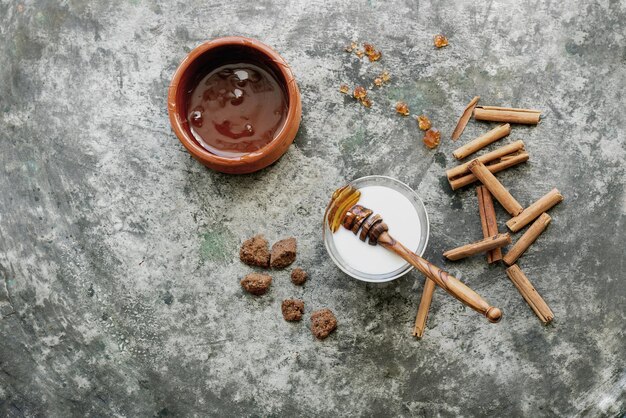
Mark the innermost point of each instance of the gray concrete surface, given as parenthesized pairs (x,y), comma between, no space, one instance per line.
(118,252)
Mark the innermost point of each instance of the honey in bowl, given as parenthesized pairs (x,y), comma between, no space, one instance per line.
(236,109)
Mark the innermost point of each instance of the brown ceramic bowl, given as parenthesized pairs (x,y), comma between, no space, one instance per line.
(198,63)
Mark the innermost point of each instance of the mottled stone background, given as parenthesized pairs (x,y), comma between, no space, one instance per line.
(119,253)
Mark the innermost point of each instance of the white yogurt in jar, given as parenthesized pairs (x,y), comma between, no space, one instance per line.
(399,213)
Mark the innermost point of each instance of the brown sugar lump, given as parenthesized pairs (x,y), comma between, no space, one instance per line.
(323,322)
(255,251)
(283,253)
(256,283)
(292,309)
(299,276)
(440,41)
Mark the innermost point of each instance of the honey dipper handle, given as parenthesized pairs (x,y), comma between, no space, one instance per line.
(444,280)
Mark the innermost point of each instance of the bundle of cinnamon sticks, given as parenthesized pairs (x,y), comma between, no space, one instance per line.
(482,169)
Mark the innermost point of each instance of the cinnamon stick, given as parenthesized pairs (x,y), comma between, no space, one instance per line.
(482,141)
(511,109)
(465,117)
(504,114)
(504,163)
(422,310)
(496,241)
(527,239)
(529,214)
(525,287)
(488,221)
(496,188)
(486,158)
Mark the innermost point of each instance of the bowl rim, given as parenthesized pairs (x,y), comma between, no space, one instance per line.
(402,270)
(178,122)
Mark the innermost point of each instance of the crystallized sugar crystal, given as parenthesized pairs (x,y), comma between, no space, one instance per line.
(423,122)
(402,108)
(441,41)
(432,137)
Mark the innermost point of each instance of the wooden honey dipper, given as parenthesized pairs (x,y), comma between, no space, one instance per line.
(344,210)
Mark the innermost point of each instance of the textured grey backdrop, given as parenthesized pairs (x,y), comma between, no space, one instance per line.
(118,252)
